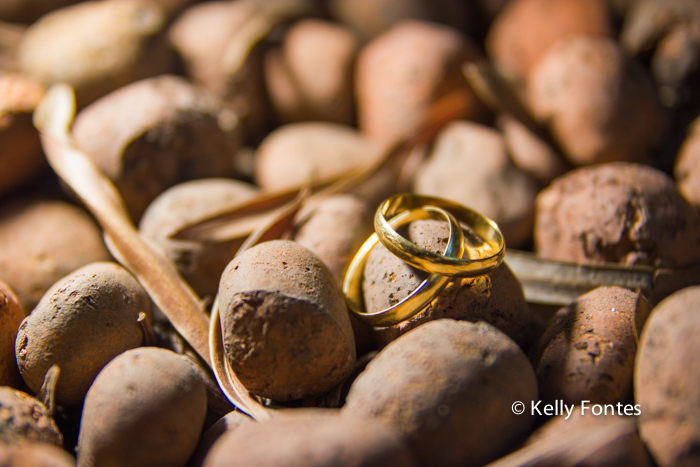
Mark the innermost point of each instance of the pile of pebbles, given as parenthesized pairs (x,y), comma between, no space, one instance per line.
(590,154)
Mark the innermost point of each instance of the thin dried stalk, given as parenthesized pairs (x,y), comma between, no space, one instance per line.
(276,227)
(500,97)
(149,336)
(239,220)
(553,282)
(157,274)
(47,394)
(497,95)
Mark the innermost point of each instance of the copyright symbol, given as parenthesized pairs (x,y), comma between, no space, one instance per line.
(518,408)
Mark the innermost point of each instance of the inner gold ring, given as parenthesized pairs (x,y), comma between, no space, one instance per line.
(489,254)
(423,294)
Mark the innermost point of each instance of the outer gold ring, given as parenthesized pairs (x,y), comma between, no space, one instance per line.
(423,294)
(490,253)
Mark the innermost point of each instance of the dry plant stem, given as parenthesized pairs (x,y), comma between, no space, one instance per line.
(239,220)
(149,337)
(552,282)
(48,390)
(229,384)
(499,97)
(496,94)
(276,227)
(157,275)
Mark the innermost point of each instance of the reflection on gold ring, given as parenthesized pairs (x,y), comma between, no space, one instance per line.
(490,252)
(423,294)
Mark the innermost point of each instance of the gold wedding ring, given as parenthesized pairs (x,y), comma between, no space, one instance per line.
(490,253)
(423,294)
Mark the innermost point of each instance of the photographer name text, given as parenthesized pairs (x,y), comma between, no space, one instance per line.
(560,408)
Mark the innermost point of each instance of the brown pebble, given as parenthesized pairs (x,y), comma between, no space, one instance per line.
(229,422)
(469,165)
(35,455)
(334,230)
(311,438)
(530,152)
(107,44)
(620,213)
(525,29)
(202,35)
(587,352)
(38,246)
(686,170)
(403,71)
(666,378)
(200,263)
(599,105)
(23,419)
(285,324)
(153,134)
(11,316)
(82,322)
(300,153)
(146,408)
(310,76)
(433,383)
(568,434)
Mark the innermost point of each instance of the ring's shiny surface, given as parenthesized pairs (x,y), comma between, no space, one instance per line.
(490,253)
(423,294)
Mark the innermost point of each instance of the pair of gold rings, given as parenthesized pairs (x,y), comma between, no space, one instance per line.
(484,253)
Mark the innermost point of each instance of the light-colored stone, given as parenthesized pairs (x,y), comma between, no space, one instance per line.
(469,165)
(405,70)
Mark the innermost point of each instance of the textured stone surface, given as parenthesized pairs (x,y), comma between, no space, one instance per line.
(286,330)
(434,382)
(621,213)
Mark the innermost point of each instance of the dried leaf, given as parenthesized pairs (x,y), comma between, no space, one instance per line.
(157,274)
(276,227)
(238,220)
(230,385)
